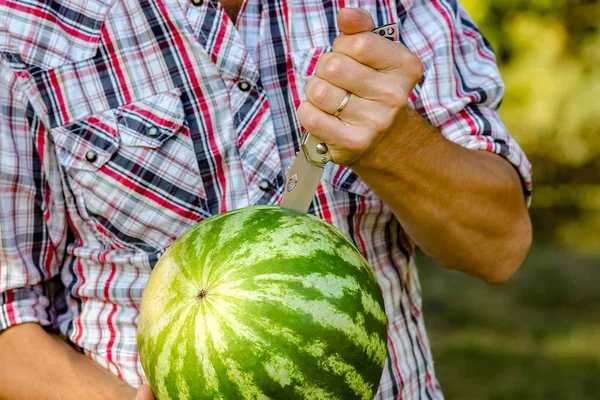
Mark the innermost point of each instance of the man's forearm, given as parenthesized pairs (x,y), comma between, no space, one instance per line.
(37,365)
(464,208)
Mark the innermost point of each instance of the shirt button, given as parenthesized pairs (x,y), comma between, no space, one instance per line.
(197,3)
(153,131)
(244,86)
(91,156)
(264,185)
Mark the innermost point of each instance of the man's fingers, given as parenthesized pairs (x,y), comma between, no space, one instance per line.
(321,124)
(328,98)
(354,20)
(346,143)
(324,95)
(380,53)
(348,74)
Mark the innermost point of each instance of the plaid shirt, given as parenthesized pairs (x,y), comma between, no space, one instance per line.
(125,122)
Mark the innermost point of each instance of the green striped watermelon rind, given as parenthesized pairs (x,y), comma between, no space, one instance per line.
(262,302)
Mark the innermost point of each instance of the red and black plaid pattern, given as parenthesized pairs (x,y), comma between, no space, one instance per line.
(124,123)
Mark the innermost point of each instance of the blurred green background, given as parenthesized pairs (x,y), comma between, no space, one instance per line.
(537,336)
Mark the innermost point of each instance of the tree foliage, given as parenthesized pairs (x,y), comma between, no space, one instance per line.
(549,53)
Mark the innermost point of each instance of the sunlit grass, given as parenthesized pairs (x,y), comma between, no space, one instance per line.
(535,337)
(582,342)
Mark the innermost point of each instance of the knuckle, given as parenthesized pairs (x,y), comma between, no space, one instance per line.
(363,45)
(310,120)
(414,66)
(334,66)
(391,94)
(303,114)
(338,42)
(395,96)
(320,92)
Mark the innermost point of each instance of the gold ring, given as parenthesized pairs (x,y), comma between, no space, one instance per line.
(342,104)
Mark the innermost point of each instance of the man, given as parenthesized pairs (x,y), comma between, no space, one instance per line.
(124,123)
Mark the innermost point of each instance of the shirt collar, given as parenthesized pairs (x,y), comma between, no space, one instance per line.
(49,33)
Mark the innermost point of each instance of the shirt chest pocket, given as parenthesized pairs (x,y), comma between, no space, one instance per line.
(133,172)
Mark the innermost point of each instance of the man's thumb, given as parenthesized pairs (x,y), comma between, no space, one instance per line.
(144,393)
(354,20)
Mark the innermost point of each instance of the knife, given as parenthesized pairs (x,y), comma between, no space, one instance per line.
(306,170)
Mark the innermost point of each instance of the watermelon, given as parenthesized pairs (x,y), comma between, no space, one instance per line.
(262,303)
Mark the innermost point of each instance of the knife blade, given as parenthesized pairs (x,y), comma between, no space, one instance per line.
(306,170)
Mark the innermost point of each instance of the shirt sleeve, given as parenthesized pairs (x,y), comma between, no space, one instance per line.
(462,88)
(32,227)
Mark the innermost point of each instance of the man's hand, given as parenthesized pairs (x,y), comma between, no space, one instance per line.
(463,207)
(379,74)
(144,393)
(37,365)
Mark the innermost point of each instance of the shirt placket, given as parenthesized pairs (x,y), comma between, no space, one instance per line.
(253,160)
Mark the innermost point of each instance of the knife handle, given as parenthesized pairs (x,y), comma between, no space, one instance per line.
(389,31)
(316,152)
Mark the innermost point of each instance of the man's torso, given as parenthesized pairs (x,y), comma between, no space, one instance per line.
(156,115)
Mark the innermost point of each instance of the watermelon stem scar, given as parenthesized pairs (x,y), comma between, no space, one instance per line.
(202,294)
